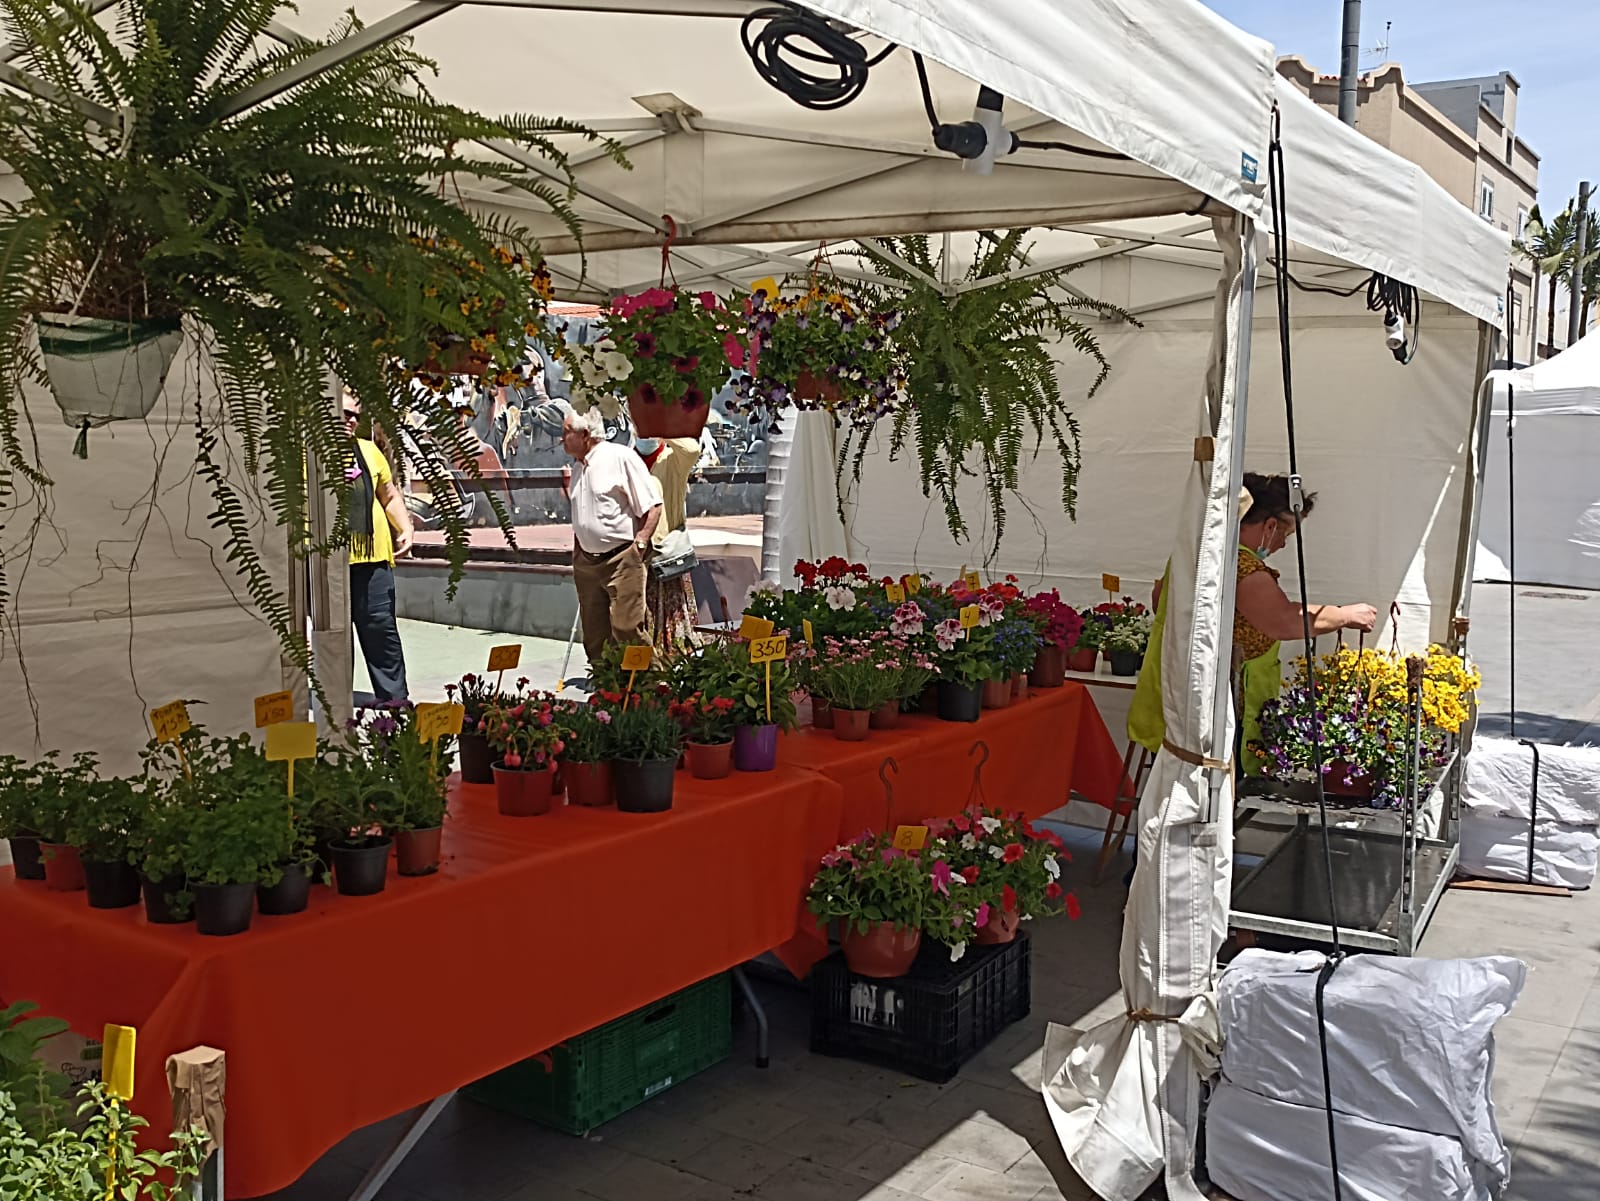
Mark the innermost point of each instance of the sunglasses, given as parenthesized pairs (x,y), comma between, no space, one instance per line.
(352,414)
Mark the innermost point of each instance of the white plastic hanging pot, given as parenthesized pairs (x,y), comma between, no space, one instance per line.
(102,371)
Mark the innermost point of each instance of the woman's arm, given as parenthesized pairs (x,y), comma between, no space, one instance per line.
(1261,601)
(394,507)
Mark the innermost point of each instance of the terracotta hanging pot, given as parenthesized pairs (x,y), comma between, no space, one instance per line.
(653,419)
(710,760)
(997,694)
(589,785)
(882,952)
(1049,668)
(1360,784)
(851,725)
(811,387)
(458,358)
(1002,927)
(886,716)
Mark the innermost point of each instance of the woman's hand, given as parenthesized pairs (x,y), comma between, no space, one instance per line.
(1359,617)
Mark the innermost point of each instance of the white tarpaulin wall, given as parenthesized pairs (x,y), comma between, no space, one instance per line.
(1557,444)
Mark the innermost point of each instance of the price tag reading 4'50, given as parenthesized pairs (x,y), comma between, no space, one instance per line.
(769,650)
(638,658)
(273,708)
(752,628)
(910,838)
(970,616)
(170,721)
(895,593)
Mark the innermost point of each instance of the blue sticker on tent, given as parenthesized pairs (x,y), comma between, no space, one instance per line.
(1248,167)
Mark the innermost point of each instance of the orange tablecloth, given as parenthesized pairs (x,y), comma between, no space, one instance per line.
(534,931)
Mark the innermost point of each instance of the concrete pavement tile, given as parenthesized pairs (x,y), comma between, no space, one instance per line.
(901,1166)
(636,1178)
(815,1182)
(656,1135)
(970,1183)
(760,1121)
(1046,1167)
(1525,1054)
(738,1162)
(820,1141)
(1015,1108)
(835,1102)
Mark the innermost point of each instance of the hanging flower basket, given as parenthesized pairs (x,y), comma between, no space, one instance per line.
(675,349)
(652,418)
(102,371)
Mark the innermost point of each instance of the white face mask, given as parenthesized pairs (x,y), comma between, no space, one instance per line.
(646,446)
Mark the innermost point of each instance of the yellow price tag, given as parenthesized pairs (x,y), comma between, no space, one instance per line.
(767,286)
(1111,583)
(769,650)
(913,585)
(752,628)
(972,580)
(434,721)
(811,635)
(273,708)
(910,838)
(505,658)
(970,616)
(638,658)
(170,721)
(896,593)
(117,1060)
(292,740)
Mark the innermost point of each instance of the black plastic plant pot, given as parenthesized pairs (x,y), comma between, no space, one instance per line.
(164,903)
(110,885)
(361,868)
(1126,663)
(25,858)
(958,702)
(476,758)
(288,895)
(644,787)
(222,909)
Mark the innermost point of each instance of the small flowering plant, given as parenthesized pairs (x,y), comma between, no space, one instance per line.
(854,673)
(681,345)
(1130,631)
(1009,867)
(1102,619)
(1058,622)
(869,881)
(384,777)
(524,729)
(597,372)
(586,728)
(647,730)
(708,720)
(747,688)
(477,695)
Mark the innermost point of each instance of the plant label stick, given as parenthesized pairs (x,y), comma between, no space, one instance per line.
(116,1060)
(291,740)
(752,628)
(913,584)
(765,650)
(895,593)
(634,660)
(434,721)
(910,838)
(503,659)
(171,722)
(273,708)
(972,580)
(970,616)
(810,634)
(1111,583)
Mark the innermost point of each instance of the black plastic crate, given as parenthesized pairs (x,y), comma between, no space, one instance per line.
(926,1023)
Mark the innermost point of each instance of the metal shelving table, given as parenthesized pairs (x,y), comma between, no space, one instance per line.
(1391,866)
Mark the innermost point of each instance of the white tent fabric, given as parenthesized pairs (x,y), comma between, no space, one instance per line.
(1556,442)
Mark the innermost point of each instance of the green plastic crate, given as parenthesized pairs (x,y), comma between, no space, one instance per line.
(596,1076)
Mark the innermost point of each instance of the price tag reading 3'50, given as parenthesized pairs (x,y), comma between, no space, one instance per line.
(769,650)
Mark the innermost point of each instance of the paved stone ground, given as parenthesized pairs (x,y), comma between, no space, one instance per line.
(816,1129)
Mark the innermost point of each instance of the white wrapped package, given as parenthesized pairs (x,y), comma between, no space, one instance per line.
(1499,781)
(1410,1041)
(1496,848)
(1258,1149)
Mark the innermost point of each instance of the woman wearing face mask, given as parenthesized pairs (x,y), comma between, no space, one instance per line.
(671,603)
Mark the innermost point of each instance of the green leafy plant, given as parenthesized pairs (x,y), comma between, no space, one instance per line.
(748,689)
(106,823)
(383,777)
(60,792)
(588,731)
(19,783)
(287,239)
(980,369)
(40,1094)
(646,730)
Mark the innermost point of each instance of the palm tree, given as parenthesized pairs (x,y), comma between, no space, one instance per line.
(1549,247)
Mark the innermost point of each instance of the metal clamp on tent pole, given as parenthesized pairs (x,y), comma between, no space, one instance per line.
(1195,758)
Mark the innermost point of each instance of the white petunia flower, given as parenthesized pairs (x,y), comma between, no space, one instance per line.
(1051,866)
(968,843)
(840,598)
(989,824)
(997,852)
(957,951)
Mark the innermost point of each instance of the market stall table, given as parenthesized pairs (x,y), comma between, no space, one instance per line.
(533,931)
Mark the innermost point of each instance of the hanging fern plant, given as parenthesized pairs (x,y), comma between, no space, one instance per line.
(309,235)
(980,368)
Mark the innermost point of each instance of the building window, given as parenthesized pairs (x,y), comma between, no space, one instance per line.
(1516,312)
(1522,223)
(1486,200)
(1511,149)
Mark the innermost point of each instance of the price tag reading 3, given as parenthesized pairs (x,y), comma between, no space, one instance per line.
(769,650)
(970,616)
(435,721)
(910,838)
(273,708)
(505,658)
(170,721)
(752,628)
(638,658)
(895,593)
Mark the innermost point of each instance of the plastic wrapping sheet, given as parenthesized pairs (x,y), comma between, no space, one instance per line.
(1410,1041)
(1499,781)
(1496,848)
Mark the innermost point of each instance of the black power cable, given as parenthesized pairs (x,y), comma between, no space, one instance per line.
(1280,254)
(806,57)
(1396,300)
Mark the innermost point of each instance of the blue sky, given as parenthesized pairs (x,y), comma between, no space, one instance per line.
(1549,46)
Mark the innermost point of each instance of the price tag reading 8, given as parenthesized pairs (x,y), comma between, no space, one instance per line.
(769,650)
(910,838)
(752,628)
(638,658)
(895,593)
(170,721)
(810,634)
(970,616)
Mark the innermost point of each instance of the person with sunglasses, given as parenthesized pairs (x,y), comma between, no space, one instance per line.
(380,529)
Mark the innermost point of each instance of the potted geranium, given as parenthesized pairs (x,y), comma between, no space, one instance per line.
(475,694)
(1059,627)
(709,721)
(885,900)
(1012,871)
(964,664)
(852,675)
(646,738)
(1128,639)
(763,705)
(523,732)
(586,755)
(681,347)
(104,825)
(18,820)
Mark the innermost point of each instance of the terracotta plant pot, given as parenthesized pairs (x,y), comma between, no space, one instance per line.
(361,866)
(63,870)
(1126,663)
(1019,686)
(1002,927)
(710,760)
(222,909)
(164,902)
(851,725)
(882,952)
(821,714)
(25,860)
(652,419)
(1333,781)
(289,895)
(958,702)
(523,793)
(417,851)
(1081,660)
(886,716)
(755,748)
(110,885)
(645,786)
(476,759)
(810,387)
(588,784)
(458,358)
(997,694)
(1049,668)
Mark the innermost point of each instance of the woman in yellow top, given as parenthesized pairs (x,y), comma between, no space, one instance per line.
(380,529)
(1263,617)
(671,603)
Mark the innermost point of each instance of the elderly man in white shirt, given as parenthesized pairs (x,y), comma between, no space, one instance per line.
(615,511)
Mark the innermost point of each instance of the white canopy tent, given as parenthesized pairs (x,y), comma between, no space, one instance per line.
(1557,442)
(753,183)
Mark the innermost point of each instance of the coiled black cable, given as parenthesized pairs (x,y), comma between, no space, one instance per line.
(1395,299)
(803,56)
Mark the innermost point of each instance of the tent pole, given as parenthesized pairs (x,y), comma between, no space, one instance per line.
(1511,541)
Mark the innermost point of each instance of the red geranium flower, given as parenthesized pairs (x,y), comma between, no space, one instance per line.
(970,874)
(1052,890)
(1014,852)
(1008,899)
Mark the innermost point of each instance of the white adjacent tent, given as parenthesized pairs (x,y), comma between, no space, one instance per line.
(752,184)
(1557,444)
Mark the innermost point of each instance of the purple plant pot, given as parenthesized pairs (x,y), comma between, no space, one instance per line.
(755,748)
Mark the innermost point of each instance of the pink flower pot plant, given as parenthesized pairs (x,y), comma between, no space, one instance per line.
(1011,870)
(523,731)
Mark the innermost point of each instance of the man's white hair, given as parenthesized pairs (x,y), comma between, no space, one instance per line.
(591,423)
